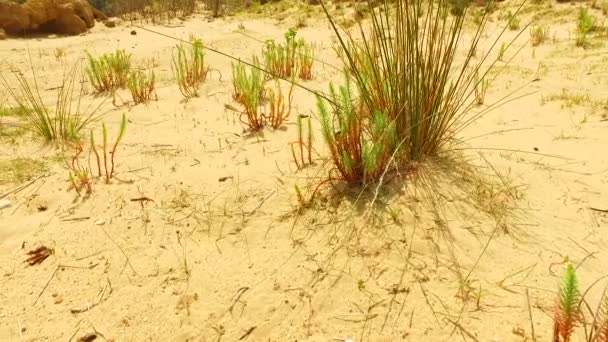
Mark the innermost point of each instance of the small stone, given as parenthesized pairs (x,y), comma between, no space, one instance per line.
(133,32)
(2,34)
(112,22)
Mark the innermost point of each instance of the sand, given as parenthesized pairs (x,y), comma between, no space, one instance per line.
(221,252)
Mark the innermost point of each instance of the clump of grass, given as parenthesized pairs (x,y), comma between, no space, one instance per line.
(189,67)
(538,35)
(141,86)
(59,53)
(386,116)
(64,122)
(247,84)
(110,71)
(585,25)
(278,109)
(294,57)
(270,112)
(514,22)
(280,60)
(306,59)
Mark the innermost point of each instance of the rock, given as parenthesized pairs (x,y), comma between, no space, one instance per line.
(2,34)
(51,16)
(112,22)
(133,33)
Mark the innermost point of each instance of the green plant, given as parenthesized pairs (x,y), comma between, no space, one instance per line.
(278,110)
(404,96)
(514,23)
(247,84)
(280,60)
(567,313)
(481,89)
(65,121)
(109,173)
(110,71)
(141,86)
(306,59)
(257,115)
(189,67)
(79,176)
(501,51)
(538,35)
(298,154)
(585,24)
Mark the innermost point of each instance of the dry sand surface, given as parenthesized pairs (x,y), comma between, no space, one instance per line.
(221,252)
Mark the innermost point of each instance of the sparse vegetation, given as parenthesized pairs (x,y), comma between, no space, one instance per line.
(63,123)
(108,155)
(514,23)
(302,154)
(383,116)
(247,84)
(20,170)
(189,67)
(110,71)
(585,25)
(141,86)
(538,34)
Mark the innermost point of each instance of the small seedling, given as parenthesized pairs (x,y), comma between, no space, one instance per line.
(501,52)
(481,87)
(108,156)
(59,53)
(300,157)
(79,175)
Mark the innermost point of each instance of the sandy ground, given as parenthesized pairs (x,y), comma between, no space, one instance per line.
(475,258)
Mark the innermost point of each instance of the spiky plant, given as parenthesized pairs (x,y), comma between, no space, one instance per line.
(278,108)
(189,67)
(411,92)
(567,313)
(360,141)
(109,71)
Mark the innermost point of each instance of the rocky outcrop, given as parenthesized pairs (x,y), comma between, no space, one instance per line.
(53,16)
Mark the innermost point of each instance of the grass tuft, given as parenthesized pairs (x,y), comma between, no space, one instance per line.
(141,86)
(64,122)
(404,97)
(189,67)
(110,71)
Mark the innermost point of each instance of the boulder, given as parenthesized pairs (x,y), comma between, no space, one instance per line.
(52,16)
